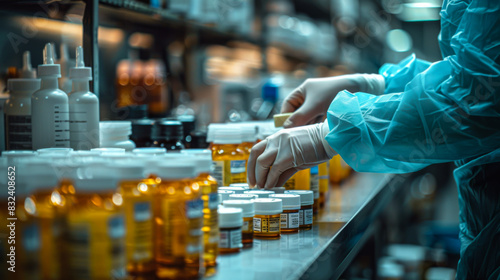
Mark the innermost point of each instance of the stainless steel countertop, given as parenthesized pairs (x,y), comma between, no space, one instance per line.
(325,250)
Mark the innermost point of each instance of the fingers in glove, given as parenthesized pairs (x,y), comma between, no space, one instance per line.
(285,176)
(264,163)
(257,150)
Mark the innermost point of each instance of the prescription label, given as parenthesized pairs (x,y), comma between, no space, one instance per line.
(308,216)
(266,225)
(289,220)
(301,217)
(142,233)
(230,239)
(228,172)
(315,185)
(194,212)
(18,132)
(213,201)
(247,226)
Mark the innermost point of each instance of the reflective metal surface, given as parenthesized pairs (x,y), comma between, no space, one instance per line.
(324,251)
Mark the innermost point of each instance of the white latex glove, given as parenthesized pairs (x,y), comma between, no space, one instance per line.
(310,101)
(288,151)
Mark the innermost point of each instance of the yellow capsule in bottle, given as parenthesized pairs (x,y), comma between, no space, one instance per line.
(178,221)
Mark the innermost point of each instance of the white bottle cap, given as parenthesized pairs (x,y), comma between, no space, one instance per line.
(278,189)
(247,206)
(197,152)
(248,133)
(240,185)
(80,72)
(127,170)
(27,72)
(212,129)
(64,151)
(108,150)
(48,68)
(261,194)
(84,154)
(268,206)
(306,197)
(230,217)
(173,171)
(290,201)
(227,136)
(224,195)
(15,155)
(27,85)
(149,151)
(234,189)
(40,175)
(203,163)
(243,196)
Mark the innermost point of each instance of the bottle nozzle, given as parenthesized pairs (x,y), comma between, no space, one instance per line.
(48,54)
(79,57)
(27,71)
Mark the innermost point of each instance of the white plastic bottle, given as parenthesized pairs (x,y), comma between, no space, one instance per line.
(65,62)
(18,107)
(49,107)
(83,107)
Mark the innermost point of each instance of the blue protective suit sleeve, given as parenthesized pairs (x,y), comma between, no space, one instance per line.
(396,76)
(449,111)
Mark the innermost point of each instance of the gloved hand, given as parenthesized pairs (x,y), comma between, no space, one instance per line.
(310,101)
(287,152)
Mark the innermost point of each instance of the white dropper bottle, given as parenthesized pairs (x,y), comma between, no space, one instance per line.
(49,107)
(18,107)
(83,107)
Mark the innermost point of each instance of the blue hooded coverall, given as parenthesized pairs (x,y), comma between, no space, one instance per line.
(432,113)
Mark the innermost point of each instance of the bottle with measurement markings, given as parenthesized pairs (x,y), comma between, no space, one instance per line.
(49,107)
(137,193)
(178,222)
(95,238)
(229,161)
(18,107)
(83,107)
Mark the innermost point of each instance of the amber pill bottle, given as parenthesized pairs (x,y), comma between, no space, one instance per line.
(290,216)
(267,219)
(306,208)
(247,206)
(230,223)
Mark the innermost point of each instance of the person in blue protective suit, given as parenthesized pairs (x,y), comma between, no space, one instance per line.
(411,115)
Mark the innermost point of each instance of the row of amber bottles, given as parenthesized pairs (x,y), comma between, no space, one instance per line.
(115,222)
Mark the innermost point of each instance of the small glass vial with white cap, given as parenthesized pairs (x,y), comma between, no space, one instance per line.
(290,216)
(267,219)
(241,185)
(230,223)
(306,208)
(260,193)
(247,206)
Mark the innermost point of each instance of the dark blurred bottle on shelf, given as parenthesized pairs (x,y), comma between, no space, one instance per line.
(168,134)
(155,84)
